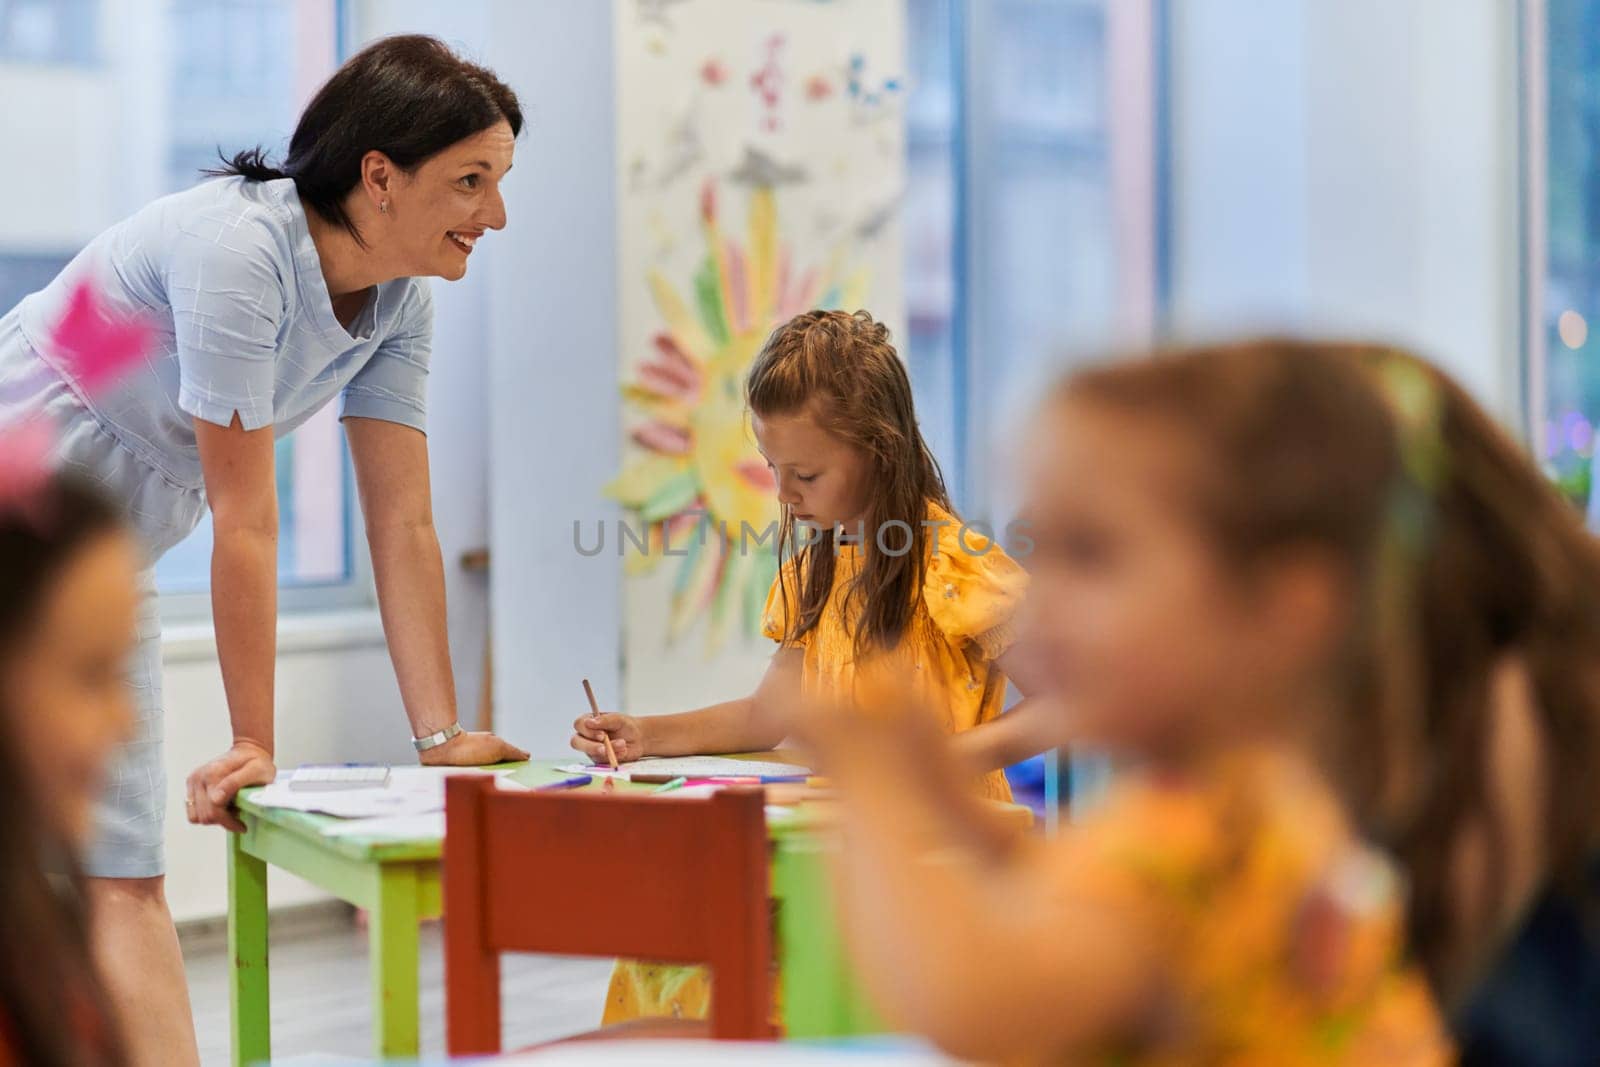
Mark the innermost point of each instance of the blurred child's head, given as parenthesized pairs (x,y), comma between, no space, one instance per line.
(832,412)
(1194,552)
(68,607)
(1336,528)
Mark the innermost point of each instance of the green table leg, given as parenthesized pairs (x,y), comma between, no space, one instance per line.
(248,992)
(393,935)
(820,997)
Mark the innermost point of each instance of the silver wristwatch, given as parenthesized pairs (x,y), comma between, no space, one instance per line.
(435,740)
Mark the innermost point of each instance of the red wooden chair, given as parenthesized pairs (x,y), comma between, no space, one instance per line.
(681,881)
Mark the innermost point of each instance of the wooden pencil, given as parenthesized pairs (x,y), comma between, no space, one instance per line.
(611,753)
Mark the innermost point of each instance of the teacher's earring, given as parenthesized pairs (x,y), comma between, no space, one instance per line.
(384,207)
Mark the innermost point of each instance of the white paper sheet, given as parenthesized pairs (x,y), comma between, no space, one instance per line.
(411,791)
(693,767)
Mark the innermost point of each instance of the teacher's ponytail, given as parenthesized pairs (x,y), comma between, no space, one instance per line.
(251,165)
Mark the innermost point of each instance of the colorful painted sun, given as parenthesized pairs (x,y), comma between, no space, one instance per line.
(698,483)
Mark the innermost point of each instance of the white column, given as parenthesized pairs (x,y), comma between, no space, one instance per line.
(553,402)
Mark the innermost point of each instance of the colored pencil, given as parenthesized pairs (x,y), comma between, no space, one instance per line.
(611,753)
(568,783)
(668,787)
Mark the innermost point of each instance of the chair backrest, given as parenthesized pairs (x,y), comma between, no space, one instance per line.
(681,881)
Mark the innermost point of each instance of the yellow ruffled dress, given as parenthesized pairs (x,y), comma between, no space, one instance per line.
(963,622)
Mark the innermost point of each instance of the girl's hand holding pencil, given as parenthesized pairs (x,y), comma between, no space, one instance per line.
(590,731)
(605,738)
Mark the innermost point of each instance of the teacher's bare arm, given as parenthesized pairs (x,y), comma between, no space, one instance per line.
(241,487)
(391,463)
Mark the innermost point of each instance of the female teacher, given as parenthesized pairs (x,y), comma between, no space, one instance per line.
(271,292)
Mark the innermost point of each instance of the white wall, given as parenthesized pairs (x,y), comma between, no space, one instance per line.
(525,368)
(55,196)
(1238,181)
(1413,168)
(1351,166)
(458,391)
(553,405)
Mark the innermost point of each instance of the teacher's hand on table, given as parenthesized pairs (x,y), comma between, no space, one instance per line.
(212,786)
(627,737)
(472,750)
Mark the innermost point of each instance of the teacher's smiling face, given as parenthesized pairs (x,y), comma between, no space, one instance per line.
(430,218)
(397,161)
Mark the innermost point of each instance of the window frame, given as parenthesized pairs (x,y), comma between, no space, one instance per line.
(1143,302)
(1533,219)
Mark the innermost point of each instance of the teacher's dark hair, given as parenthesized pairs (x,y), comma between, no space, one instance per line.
(409,97)
(53,1009)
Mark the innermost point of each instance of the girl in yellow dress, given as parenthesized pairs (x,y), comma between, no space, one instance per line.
(879,566)
(1223,590)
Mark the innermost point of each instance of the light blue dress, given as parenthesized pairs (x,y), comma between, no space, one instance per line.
(230,277)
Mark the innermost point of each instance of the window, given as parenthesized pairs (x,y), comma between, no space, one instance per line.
(1013,240)
(1030,214)
(48,31)
(129,107)
(1564,378)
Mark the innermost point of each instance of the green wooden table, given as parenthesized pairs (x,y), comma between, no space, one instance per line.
(398,883)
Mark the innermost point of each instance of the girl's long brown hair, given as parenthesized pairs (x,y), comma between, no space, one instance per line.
(48,986)
(842,368)
(1464,556)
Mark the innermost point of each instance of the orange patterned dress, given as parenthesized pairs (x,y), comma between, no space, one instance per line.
(1281,936)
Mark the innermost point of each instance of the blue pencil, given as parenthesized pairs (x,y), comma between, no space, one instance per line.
(568,783)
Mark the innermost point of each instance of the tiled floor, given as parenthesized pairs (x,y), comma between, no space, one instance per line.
(321,999)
